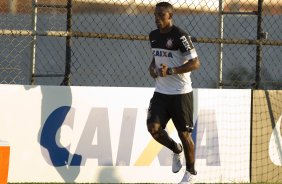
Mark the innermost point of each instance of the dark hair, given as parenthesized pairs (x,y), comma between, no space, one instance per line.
(166,5)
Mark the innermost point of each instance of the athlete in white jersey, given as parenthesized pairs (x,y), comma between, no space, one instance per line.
(174,57)
(172,49)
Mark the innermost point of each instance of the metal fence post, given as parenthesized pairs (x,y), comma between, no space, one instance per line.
(220,45)
(66,81)
(259,46)
(33,43)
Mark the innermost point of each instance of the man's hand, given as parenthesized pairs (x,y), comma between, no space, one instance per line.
(163,70)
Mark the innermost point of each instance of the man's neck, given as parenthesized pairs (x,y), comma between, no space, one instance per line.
(166,29)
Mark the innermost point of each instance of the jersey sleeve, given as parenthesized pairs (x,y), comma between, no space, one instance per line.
(187,47)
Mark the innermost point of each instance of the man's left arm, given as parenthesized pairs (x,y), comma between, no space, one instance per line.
(192,64)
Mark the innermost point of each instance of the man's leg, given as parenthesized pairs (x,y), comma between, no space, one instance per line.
(188,146)
(162,137)
(189,150)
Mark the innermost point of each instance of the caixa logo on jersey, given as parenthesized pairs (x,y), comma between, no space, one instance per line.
(57,154)
(162,53)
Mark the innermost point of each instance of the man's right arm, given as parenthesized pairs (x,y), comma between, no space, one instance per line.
(152,69)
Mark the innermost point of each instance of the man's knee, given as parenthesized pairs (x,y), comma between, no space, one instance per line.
(184,135)
(153,127)
(155,130)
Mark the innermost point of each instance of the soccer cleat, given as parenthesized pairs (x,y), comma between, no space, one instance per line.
(188,178)
(176,161)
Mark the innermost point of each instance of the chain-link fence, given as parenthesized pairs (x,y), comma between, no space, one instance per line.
(105,42)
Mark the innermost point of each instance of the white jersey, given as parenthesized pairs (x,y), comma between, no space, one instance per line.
(173,49)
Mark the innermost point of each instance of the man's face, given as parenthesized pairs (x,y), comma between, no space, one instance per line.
(162,17)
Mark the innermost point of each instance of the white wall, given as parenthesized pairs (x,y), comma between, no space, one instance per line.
(99,134)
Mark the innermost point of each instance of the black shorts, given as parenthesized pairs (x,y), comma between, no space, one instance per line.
(179,108)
